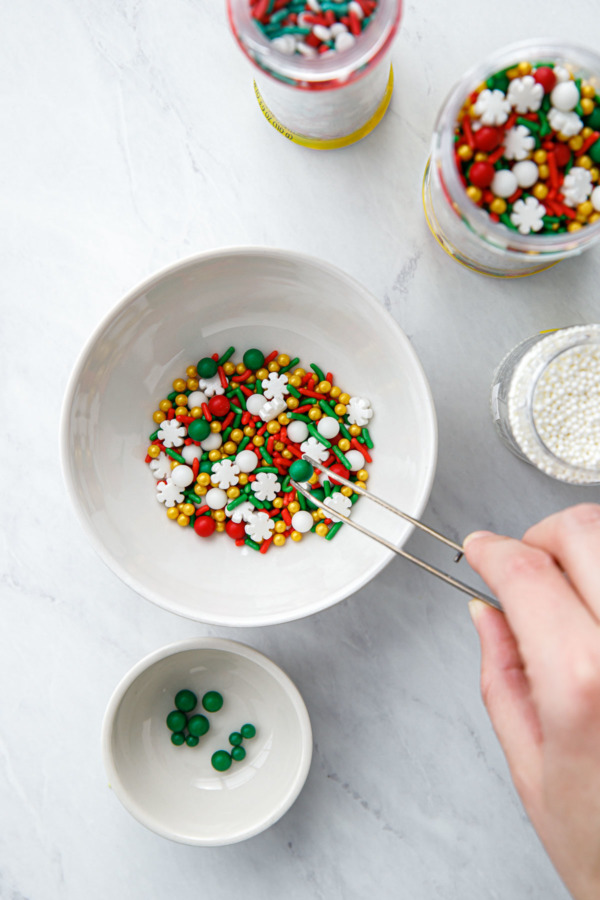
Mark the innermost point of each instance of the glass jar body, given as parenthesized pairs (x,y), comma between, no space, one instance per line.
(464,230)
(338,96)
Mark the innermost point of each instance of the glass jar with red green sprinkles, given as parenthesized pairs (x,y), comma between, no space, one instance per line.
(512,185)
(324,78)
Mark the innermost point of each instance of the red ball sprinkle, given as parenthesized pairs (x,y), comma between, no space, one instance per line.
(562,154)
(546,77)
(481,174)
(204,526)
(236,530)
(219,405)
(339,469)
(488,138)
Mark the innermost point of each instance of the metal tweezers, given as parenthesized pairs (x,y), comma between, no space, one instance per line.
(460,585)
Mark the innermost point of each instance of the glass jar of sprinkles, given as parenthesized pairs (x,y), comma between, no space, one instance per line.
(545,403)
(324,76)
(506,114)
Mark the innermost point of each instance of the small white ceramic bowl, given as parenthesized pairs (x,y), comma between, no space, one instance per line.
(271,299)
(175,791)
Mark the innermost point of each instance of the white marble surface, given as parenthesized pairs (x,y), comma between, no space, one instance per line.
(130,138)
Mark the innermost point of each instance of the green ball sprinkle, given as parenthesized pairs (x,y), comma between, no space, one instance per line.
(254,359)
(593,120)
(212,701)
(198,725)
(177,738)
(248,731)
(221,760)
(594,152)
(207,367)
(185,700)
(318,494)
(191,740)
(176,720)
(235,738)
(198,430)
(238,754)
(301,470)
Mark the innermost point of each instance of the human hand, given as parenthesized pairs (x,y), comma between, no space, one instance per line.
(540,679)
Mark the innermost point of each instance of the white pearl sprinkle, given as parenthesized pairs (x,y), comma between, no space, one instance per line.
(555,416)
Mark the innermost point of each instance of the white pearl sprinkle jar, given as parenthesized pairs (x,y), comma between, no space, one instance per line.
(545,403)
(464,230)
(330,100)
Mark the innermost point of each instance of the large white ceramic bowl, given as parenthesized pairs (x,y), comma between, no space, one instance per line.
(246,297)
(175,791)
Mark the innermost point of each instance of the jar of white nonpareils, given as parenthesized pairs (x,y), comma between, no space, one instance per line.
(545,403)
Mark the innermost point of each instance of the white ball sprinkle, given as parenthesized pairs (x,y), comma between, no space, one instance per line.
(566,407)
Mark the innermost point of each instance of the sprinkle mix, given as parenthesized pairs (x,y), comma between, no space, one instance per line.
(312,27)
(527,146)
(230,439)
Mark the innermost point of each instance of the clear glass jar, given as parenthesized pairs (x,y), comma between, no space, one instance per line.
(328,101)
(464,230)
(545,403)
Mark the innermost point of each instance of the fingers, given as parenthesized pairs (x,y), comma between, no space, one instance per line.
(543,610)
(506,694)
(572,537)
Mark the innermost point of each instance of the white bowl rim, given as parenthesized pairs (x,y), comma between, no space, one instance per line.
(205,643)
(245,250)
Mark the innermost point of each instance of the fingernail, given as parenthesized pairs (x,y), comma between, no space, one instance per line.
(476,608)
(475,535)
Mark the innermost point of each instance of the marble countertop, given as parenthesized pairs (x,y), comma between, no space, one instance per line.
(132,138)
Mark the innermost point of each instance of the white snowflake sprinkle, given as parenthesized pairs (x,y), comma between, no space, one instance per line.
(266,486)
(315,449)
(172,433)
(518,142)
(168,493)
(359,411)
(338,502)
(525,94)
(211,386)
(225,473)
(271,409)
(492,107)
(567,123)
(577,186)
(161,466)
(243,512)
(528,215)
(275,386)
(260,528)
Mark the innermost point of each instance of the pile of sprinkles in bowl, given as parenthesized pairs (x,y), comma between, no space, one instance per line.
(527,146)
(231,437)
(312,27)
